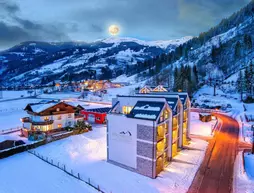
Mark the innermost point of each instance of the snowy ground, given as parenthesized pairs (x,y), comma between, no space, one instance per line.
(86,154)
(242,180)
(249,165)
(205,96)
(61,95)
(14,136)
(12,111)
(200,128)
(13,94)
(25,173)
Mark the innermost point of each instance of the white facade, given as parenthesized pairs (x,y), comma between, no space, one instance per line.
(139,144)
(123,147)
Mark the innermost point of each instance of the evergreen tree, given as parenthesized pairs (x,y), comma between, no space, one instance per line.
(176,79)
(238,49)
(240,84)
(195,73)
(247,41)
(247,83)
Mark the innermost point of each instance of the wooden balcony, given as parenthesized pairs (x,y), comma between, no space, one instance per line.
(28,120)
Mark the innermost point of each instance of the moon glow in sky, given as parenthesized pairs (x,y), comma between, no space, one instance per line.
(114,30)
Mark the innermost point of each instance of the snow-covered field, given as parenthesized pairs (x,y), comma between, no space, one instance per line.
(200,128)
(25,173)
(13,94)
(12,111)
(87,155)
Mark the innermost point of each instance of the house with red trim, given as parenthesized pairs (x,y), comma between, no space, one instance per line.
(97,115)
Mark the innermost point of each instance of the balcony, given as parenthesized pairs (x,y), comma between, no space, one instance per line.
(28,120)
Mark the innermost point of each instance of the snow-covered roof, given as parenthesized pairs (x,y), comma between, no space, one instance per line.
(148,110)
(37,108)
(7,138)
(172,102)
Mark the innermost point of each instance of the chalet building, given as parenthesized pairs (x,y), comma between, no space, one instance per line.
(145,131)
(50,116)
(147,89)
(184,114)
(97,115)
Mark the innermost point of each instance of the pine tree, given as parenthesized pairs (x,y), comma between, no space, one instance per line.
(195,72)
(176,79)
(240,84)
(251,78)
(247,83)
(247,41)
(238,49)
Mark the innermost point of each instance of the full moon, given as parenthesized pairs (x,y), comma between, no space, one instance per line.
(113,30)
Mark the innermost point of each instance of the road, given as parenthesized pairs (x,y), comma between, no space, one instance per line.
(215,174)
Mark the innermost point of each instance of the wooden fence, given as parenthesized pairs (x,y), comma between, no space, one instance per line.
(5,131)
(69,171)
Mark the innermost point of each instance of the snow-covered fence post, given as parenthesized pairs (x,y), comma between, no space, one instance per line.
(64,168)
(78,176)
(58,164)
(99,188)
(89,181)
(52,161)
(71,172)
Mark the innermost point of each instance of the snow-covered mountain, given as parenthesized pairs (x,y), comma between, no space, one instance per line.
(30,62)
(226,48)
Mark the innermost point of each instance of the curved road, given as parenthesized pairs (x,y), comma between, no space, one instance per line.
(216,171)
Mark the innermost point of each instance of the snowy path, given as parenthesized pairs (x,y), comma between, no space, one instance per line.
(24,173)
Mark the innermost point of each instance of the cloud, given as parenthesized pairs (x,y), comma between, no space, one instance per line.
(89,19)
(14,29)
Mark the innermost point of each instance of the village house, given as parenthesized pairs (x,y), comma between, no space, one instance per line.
(50,115)
(145,131)
(97,115)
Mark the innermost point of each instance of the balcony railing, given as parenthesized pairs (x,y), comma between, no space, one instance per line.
(28,120)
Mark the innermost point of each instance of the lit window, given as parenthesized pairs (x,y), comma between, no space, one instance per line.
(127,109)
(98,118)
(59,125)
(58,109)
(166,114)
(46,118)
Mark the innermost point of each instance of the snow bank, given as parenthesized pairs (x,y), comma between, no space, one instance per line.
(249,164)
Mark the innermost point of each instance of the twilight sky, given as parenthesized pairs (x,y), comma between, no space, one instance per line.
(88,20)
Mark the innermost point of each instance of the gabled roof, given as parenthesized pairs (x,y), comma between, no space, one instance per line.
(147,110)
(183,96)
(39,107)
(172,102)
(99,110)
(160,88)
